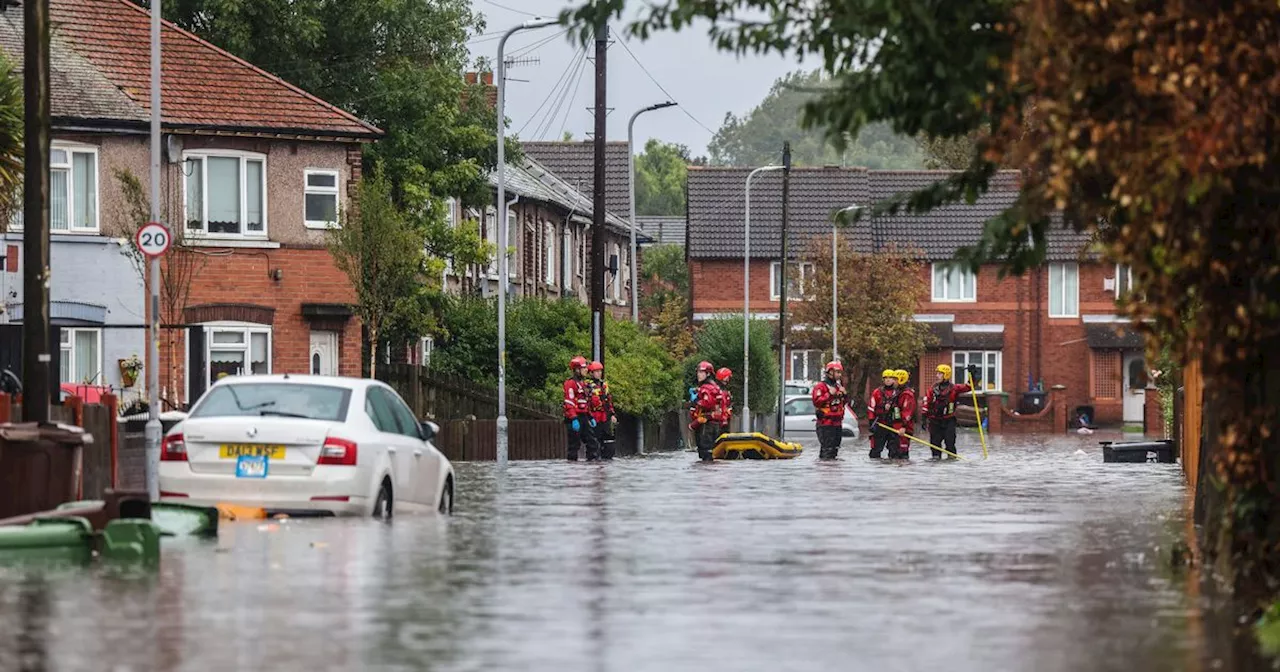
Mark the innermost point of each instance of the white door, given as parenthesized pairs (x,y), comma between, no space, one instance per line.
(324,353)
(1135,386)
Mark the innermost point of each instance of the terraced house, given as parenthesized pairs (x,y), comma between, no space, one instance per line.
(255,171)
(1057,324)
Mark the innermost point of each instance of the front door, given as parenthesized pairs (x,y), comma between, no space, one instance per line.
(324,353)
(1135,386)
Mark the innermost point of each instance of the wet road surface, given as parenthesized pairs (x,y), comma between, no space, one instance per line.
(1037,559)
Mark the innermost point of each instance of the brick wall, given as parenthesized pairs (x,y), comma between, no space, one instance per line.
(239,276)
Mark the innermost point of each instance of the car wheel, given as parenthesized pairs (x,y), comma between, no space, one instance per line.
(446,498)
(384,505)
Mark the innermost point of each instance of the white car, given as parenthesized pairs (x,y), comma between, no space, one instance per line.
(305,444)
(799,416)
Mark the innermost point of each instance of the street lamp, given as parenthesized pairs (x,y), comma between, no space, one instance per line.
(835,267)
(746,300)
(502,234)
(631,180)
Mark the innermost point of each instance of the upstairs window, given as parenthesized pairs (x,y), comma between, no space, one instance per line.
(800,273)
(320,199)
(1064,290)
(954,283)
(226,193)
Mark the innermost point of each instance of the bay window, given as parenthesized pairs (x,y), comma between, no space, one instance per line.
(986,371)
(954,282)
(226,193)
(1064,290)
(80,356)
(236,349)
(320,198)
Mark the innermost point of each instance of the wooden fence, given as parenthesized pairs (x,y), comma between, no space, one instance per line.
(100,457)
(1188,419)
(436,396)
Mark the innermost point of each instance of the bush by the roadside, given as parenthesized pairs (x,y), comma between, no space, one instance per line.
(720,342)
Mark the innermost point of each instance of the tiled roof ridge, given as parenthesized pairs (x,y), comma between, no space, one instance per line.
(224,53)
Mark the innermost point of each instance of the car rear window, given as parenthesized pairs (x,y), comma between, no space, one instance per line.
(290,400)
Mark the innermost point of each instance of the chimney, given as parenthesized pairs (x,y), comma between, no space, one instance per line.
(491,91)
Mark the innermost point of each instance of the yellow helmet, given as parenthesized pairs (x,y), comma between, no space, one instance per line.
(902,376)
(889,373)
(945,369)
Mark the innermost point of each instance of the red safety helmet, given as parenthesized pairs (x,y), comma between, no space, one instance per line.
(577,363)
(706,366)
(723,374)
(835,365)
(596,366)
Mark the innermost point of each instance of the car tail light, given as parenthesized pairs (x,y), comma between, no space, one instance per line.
(334,498)
(338,452)
(173,449)
(166,493)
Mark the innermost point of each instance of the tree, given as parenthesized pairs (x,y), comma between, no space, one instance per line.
(756,138)
(11,145)
(661,174)
(878,297)
(380,252)
(720,342)
(1147,123)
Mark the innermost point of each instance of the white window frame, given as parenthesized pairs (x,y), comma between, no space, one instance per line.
(1070,304)
(308,190)
(249,329)
(490,223)
(549,253)
(566,260)
(616,294)
(958,369)
(71,148)
(813,360)
(426,345)
(775,288)
(451,221)
(244,157)
(939,291)
(67,353)
(1123,271)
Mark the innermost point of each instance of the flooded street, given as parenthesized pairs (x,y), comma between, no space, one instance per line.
(1037,559)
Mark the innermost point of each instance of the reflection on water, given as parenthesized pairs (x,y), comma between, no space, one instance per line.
(1036,559)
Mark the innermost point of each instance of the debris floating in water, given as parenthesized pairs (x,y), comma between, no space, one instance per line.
(1080,453)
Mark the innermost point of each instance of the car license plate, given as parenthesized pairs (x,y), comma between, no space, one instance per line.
(231,451)
(252,466)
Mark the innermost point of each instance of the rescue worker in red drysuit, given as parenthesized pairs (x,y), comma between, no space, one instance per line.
(575,407)
(600,408)
(726,399)
(705,411)
(829,401)
(885,408)
(907,400)
(940,411)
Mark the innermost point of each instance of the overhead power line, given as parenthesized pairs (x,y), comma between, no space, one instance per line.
(663,89)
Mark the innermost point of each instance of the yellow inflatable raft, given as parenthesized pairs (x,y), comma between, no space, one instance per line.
(753,446)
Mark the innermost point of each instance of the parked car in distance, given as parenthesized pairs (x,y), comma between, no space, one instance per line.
(795,388)
(305,444)
(799,416)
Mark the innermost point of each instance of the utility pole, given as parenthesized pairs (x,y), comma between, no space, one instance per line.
(35,206)
(782,305)
(597,199)
(153,428)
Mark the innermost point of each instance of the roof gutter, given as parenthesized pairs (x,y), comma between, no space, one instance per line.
(141,127)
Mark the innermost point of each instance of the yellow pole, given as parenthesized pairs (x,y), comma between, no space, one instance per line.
(919,440)
(977,414)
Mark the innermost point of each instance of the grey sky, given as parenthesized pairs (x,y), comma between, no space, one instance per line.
(705,82)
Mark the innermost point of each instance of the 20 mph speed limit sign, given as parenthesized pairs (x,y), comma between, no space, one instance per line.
(153,239)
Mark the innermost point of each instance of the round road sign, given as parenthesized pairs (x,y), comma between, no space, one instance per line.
(153,239)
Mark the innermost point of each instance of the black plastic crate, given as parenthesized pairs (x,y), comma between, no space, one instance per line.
(1165,452)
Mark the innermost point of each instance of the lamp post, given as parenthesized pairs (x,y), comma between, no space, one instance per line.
(746,299)
(835,268)
(502,234)
(631,180)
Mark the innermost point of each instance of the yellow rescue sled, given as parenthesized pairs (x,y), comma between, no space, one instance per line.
(753,446)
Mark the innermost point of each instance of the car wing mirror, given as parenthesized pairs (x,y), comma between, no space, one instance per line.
(429,430)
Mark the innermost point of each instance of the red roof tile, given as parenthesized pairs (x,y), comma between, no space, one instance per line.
(202,86)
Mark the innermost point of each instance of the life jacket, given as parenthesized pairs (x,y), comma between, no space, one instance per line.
(599,400)
(707,407)
(887,406)
(575,398)
(726,404)
(942,402)
(829,399)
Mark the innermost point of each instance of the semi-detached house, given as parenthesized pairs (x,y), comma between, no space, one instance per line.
(1057,323)
(255,171)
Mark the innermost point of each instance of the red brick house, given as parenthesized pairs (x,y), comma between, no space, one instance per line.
(1057,323)
(255,172)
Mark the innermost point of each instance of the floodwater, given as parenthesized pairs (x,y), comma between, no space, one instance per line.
(1036,559)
